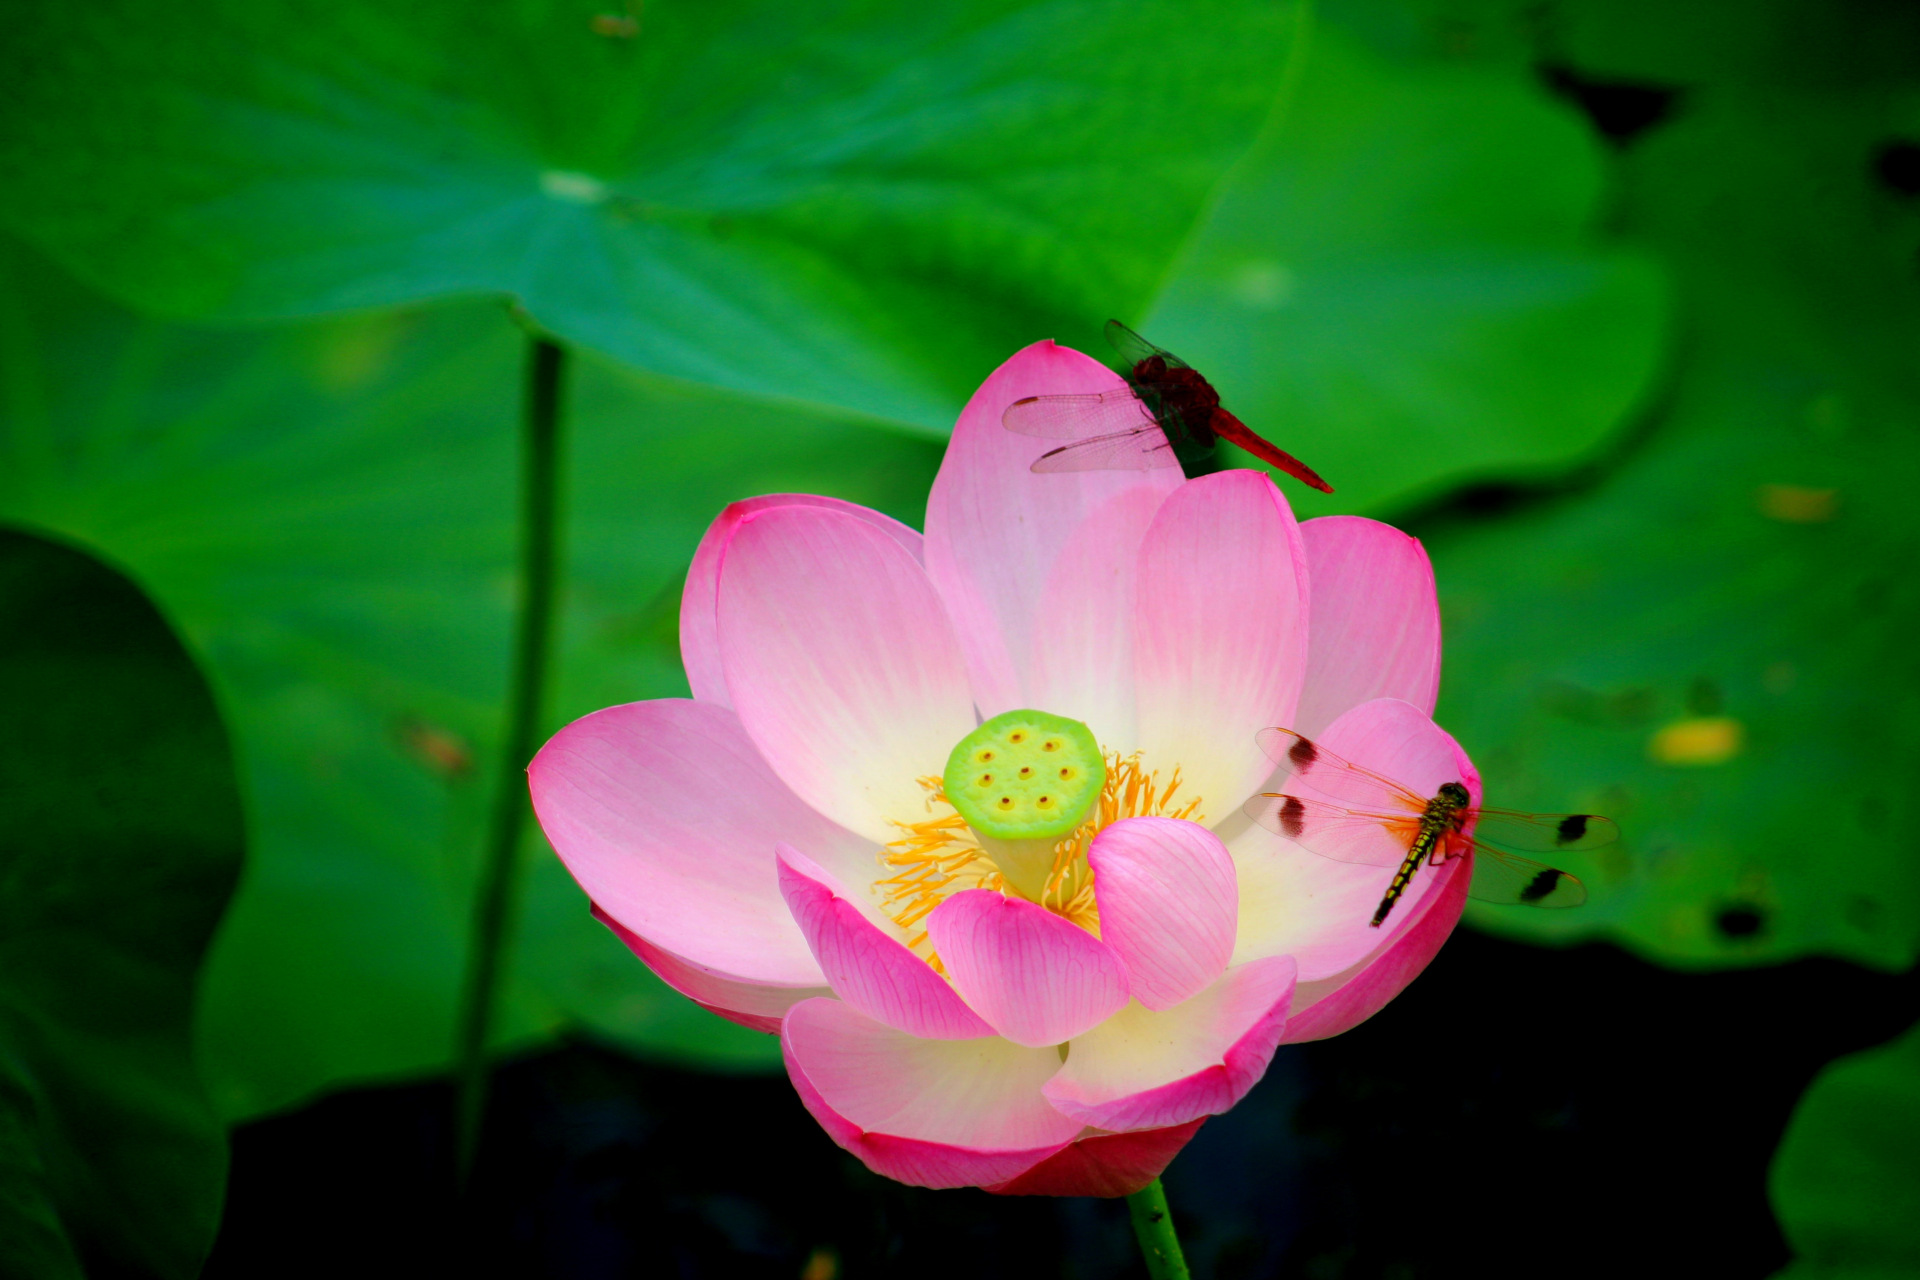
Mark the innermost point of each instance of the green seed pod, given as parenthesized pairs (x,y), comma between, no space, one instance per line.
(1025,775)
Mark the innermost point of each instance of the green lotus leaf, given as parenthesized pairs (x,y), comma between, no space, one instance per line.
(122,841)
(1843,1182)
(1403,284)
(1710,637)
(854,204)
(326,511)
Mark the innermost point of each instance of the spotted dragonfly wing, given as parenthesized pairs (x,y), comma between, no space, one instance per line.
(1509,879)
(1315,773)
(1544,832)
(1369,838)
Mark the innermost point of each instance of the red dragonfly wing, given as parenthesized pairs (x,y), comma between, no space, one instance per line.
(1133,348)
(1230,428)
(1138,449)
(1077,417)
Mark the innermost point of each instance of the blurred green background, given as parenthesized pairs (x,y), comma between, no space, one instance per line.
(1615,304)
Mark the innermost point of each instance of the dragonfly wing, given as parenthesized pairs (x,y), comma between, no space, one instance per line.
(1544,832)
(1231,429)
(1076,417)
(1138,449)
(1344,835)
(1133,348)
(1508,879)
(1316,773)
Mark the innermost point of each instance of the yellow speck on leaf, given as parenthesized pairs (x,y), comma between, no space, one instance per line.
(616,26)
(1797,505)
(1702,740)
(574,188)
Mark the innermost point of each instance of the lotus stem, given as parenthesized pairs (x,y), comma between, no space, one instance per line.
(1153,1227)
(497,892)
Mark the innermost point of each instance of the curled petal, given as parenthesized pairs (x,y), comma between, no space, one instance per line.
(1147,1070)
(869,970)
(667,816)
(1105,1164)
(1168,905)
(995,530)
(699,625)
(841,661)
(1221,644)
(758,1005)
(1344,1001)
(930,1113)
(1036,978)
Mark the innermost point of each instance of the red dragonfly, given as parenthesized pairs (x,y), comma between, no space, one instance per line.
(1115,430)
(1359,816)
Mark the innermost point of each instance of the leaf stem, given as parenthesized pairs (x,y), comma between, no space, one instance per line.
(499,879)
(1153,1227)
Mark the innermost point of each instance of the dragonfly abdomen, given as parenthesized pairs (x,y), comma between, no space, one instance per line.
(1423,845)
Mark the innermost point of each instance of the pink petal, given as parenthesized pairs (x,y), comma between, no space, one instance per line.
(667,816)
(931,1113)
(1146,1070)
(1376,620)
(751,1004)
(1168,905)
(699,629)
(1038,979)
(869,970)
(1080,652)
(1337,1004)
(1300,903)
(841,661)
(995,530)
(1107,1164)
(1222,637)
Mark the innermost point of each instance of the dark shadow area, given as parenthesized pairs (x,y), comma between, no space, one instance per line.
(1896,165)
(1621,111)
(1517,1112)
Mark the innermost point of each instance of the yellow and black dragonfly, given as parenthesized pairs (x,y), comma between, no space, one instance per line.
(1344,809)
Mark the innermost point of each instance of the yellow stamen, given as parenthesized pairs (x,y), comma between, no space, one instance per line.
(940,856)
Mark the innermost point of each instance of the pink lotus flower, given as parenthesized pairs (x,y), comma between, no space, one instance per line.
(954,1008)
